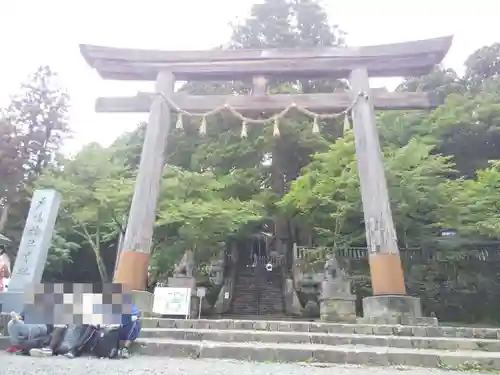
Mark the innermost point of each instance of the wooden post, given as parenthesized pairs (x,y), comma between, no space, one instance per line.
(134,258)
(259,86)
(385,263)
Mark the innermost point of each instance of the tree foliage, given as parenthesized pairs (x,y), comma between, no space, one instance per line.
(478,203)
(327,195)
(482,66)
(95,196)
(32,129)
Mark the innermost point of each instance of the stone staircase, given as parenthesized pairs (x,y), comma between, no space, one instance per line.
(293,341)
(271,300)
(258,292)
(246,292)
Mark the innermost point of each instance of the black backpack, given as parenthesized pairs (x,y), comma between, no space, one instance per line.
(75,338)
(105,343)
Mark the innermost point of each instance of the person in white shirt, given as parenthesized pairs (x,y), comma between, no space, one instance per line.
(269,269)
(4,269)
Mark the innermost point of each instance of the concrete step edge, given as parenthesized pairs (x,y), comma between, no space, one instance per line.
(317,334)
(330,339)
(356,355)
(305,326)
(309,322)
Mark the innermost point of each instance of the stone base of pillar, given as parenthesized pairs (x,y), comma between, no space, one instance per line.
(338,309)
(292,303)
(336,303)
(394,309)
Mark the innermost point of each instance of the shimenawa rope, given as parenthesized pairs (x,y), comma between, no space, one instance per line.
(247,120)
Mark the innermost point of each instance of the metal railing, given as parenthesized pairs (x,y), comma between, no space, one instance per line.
(472,253)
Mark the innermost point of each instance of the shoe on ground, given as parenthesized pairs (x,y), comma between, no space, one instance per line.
(69,355)
(14,350)
(41,352)
(124,353)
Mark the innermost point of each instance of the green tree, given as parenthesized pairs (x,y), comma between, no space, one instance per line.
(482,66)
(195,213)
(32,129)
(479,203)
(326,196)
(466,127)
(95,197)
(11,169)
(285,24)
(39,115)
(60,254)
(440,80)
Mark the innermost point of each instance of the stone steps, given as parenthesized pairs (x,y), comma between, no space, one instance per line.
(296,341)
(332,339)
(299,341)
(245,299)
(322,327)
(253,295)
(346,354)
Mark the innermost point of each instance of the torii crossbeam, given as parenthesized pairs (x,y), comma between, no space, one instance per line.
(356,64)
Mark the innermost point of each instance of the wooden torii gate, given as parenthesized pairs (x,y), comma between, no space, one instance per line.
(356,64)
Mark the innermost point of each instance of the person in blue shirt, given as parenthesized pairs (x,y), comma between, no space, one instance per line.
(129,331)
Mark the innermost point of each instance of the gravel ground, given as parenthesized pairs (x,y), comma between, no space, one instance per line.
(19,365)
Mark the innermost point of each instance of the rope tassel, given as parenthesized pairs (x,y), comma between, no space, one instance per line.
(315,128)
(347,124)
(244,129)
(203,126)
(276,128)
(179,124)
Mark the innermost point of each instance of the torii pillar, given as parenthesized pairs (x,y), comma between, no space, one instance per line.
(132,267)
(389,304)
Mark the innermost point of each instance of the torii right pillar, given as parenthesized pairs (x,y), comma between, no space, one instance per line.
(389,303)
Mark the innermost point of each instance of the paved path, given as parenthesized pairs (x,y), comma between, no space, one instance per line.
(20,365)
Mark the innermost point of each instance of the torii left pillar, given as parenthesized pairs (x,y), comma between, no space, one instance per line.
(133,263)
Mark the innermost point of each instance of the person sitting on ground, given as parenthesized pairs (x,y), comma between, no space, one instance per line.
(52,346)
(129,331)
(82,341)
(24,337)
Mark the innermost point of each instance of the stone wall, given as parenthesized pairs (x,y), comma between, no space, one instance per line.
(4,320)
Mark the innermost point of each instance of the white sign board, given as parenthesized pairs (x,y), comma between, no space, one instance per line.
(201,292)
(172,301)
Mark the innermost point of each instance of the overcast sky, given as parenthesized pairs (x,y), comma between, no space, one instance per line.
(34,32)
